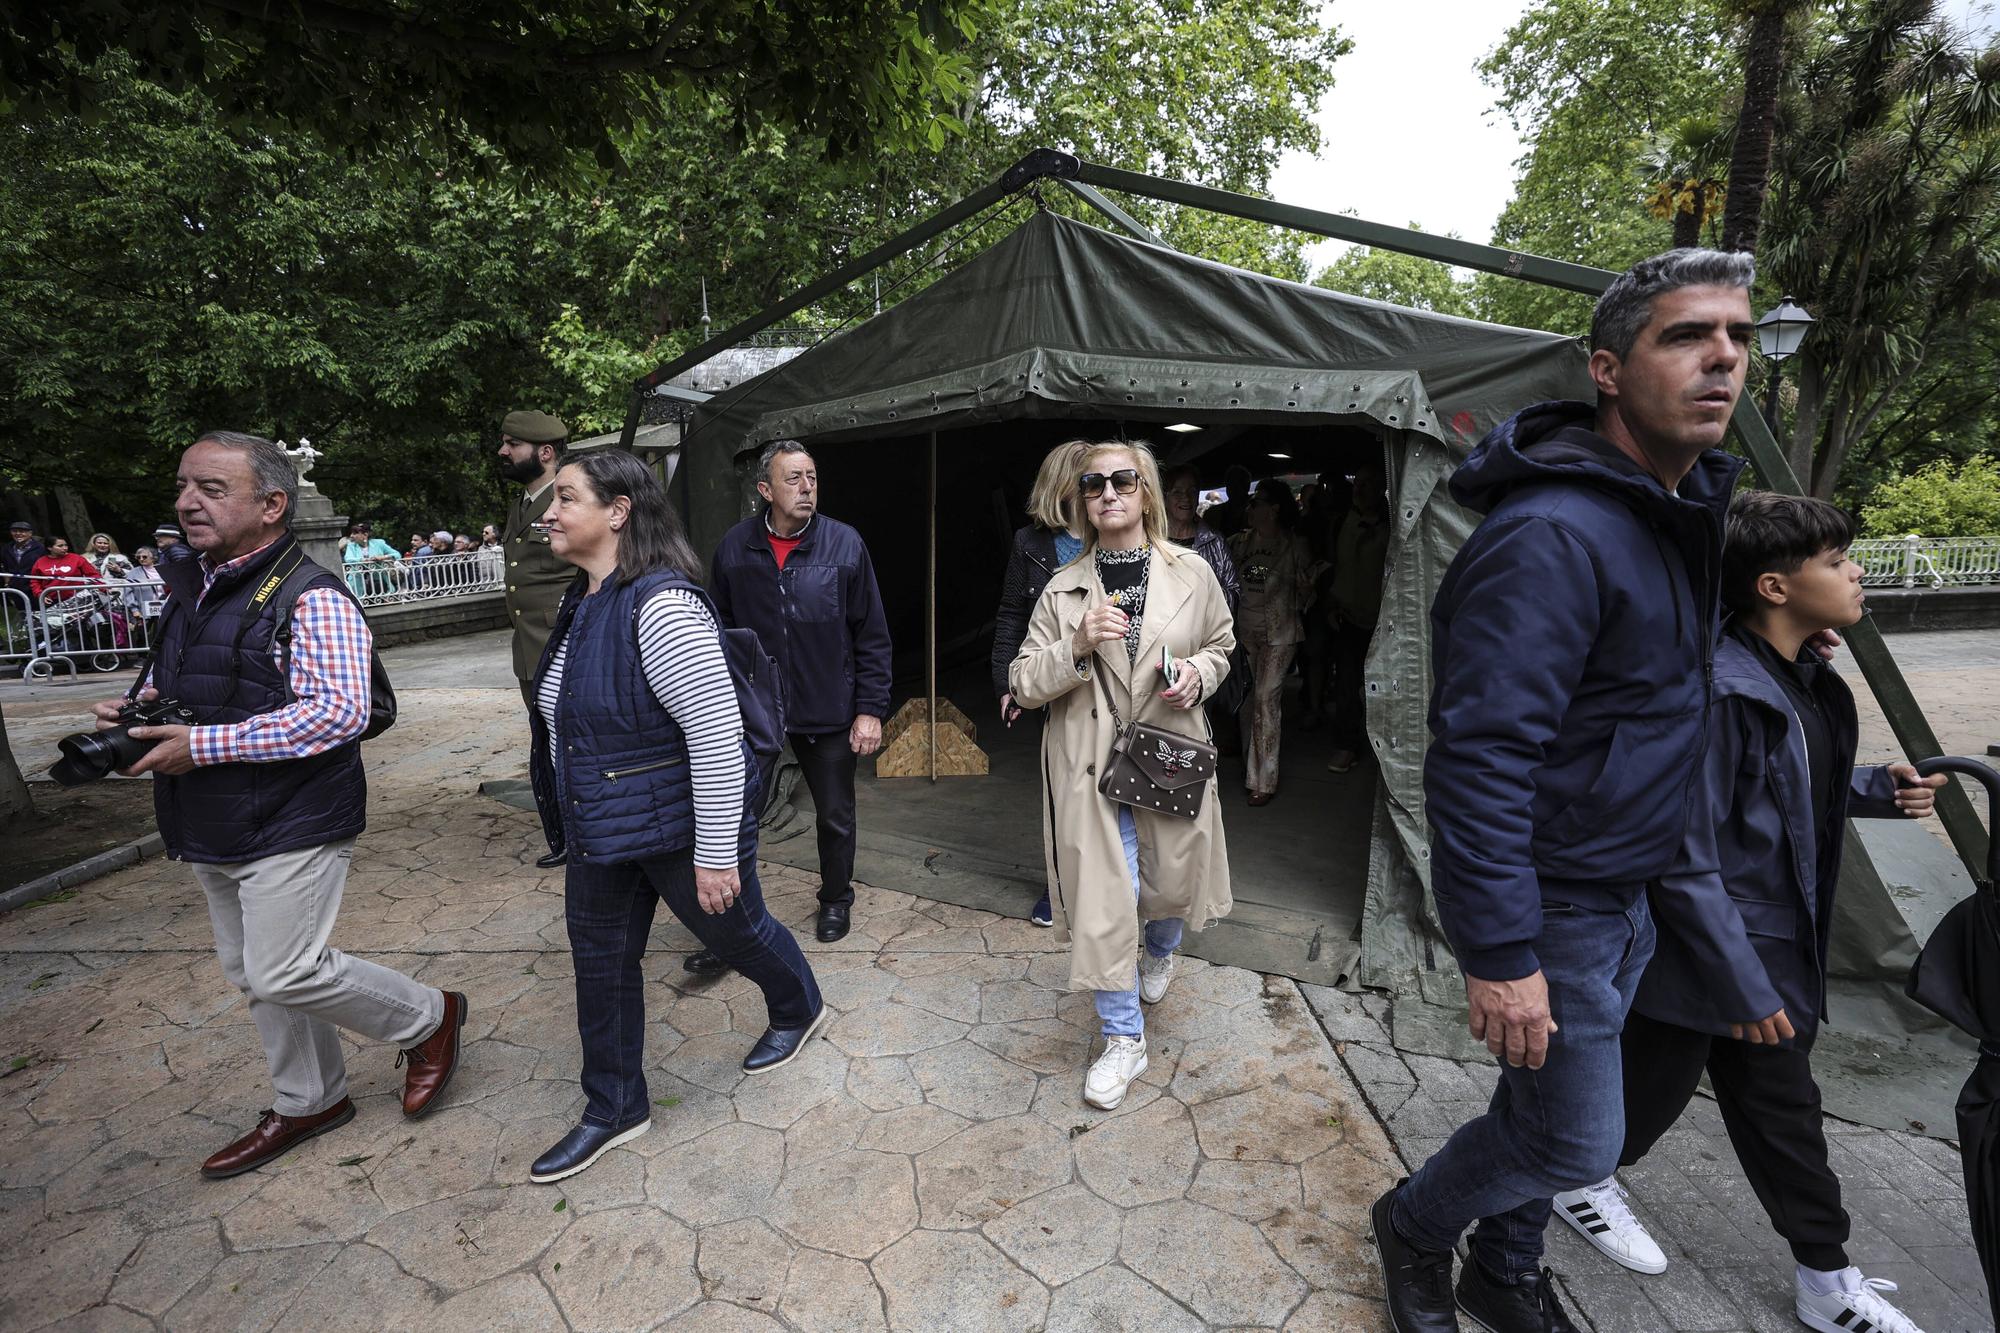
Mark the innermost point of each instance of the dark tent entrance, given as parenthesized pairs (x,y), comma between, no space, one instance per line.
(1299,865)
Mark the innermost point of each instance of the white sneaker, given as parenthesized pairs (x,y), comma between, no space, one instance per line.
(1124,1059)
(1601,1216)
(1154,974)
(1861,1310)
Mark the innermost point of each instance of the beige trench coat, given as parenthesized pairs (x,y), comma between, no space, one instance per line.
(1183,864)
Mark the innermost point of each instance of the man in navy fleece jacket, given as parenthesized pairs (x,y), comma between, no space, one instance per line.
(1573,637)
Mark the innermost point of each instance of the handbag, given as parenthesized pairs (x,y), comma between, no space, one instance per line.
(1151,768)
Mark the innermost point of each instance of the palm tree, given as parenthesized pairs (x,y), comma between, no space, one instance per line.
(1685,164)
(1756,122)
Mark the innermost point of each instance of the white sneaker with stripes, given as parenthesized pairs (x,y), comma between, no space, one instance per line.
(1602,1216)
(1859,1309)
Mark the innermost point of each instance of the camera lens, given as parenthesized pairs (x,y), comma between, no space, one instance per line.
(89,755)
(86,757)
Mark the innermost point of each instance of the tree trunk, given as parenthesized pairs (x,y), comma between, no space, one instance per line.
(1687,221)
(15,802)
(1812,390)
(75,517)
(1756,123)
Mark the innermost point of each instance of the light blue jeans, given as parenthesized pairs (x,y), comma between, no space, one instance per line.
(1119,1009)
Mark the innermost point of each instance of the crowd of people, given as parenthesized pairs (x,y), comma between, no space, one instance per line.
(373,567)
(1636,806)
(97,600)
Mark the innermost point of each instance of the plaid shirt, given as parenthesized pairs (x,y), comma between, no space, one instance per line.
(328,677)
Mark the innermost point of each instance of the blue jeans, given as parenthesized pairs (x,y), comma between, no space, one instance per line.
(610,911)
(1119,1009)
(1547,1130)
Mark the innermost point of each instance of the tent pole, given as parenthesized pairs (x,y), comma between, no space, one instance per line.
(1112,211)
(1444,249)
(930,615)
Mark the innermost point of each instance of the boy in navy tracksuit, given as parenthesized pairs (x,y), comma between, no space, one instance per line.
(1737,984)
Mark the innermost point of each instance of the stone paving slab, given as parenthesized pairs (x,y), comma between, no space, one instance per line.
(1728,1270)
(928,1166)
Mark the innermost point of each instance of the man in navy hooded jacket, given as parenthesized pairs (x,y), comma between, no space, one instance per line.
(1572,643)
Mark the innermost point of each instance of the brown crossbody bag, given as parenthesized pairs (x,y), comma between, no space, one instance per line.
(1151,768)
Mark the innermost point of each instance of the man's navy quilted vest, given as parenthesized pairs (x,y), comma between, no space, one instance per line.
(217,659)
(623,791)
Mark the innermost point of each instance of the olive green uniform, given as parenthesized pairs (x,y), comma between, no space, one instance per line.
(535,581)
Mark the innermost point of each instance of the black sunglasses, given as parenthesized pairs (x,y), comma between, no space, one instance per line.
(1124,481)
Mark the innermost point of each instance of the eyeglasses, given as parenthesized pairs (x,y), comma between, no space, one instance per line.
(1124,481)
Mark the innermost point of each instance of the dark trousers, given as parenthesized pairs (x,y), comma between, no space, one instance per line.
(827,762)
(610,911)
(1316,664)
(528,694)
(1350,658)
(1770,1106)
(1546,1130)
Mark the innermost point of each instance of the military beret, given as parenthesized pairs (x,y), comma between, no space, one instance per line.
(535,427)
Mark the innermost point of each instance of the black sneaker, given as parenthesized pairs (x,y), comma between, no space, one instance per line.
(1527,1306)
(1416,1283)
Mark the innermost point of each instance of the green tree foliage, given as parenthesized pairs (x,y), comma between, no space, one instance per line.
(166,269)
(1939,500)
(1400,279)
(1593,86)
(540,82)
(1884,219)
(163,274)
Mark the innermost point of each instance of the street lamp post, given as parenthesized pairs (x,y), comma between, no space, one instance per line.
(1779,334)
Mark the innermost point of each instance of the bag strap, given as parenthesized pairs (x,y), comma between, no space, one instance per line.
(1110,703)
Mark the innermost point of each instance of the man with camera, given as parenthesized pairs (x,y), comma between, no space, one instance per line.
(269,658)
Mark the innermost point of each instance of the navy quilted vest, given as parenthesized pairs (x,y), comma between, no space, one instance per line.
(623,792)
(240,812)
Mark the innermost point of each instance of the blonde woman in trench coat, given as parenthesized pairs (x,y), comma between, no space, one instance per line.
(1111,867)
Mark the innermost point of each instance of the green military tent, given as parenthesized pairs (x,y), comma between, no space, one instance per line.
(1062,320)
(1088,332)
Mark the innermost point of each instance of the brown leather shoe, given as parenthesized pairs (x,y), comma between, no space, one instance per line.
(274,1136)
(434,1061)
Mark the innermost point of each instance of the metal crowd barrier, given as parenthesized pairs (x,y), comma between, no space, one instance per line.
(77,624)
(386,581)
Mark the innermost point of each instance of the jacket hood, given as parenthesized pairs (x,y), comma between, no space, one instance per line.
(1556,442)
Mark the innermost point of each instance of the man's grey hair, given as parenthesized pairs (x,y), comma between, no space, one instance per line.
(1627,304)
(269,465)
(771,452)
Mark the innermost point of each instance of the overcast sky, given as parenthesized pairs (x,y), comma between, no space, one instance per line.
(1409,133)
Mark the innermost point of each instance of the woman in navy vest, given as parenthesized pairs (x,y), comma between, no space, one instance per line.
(642,774)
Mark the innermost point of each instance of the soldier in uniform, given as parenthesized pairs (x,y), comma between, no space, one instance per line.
(531,449)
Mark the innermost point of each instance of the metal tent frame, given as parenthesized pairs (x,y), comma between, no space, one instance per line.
(1087,179)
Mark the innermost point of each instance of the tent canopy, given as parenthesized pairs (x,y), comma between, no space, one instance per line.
(1061,319)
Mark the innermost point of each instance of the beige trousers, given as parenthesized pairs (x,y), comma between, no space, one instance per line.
(272,919)
(1268,664)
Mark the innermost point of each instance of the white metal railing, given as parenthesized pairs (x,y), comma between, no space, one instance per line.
(390,581)
(1933,562)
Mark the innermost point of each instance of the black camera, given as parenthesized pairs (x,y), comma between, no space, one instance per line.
(89,755)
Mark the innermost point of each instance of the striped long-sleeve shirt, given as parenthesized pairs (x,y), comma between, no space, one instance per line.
(681,652)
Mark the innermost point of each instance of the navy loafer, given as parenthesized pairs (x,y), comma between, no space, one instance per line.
(704,963)
(1042,915)
(833,922)
(780,1046)
(580,1148)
